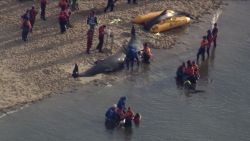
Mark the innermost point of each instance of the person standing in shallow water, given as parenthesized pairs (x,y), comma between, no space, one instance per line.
(62,20)
(210,40)
(43,4)
(202,49)
(32,14)
(215,33)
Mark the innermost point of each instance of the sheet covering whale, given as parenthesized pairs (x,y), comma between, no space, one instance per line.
(114,62)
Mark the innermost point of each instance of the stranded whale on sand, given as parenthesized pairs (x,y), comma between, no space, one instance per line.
(114,62)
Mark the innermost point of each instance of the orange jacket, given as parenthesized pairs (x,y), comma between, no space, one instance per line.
(196,68)
(129,114)
(147,50)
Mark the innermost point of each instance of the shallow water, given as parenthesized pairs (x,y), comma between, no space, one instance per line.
(222,112)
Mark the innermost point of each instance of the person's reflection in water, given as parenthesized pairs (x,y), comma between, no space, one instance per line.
(212,57)
(204,70)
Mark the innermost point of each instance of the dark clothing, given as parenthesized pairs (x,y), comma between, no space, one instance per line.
(25,29)
(110,5)
(92,21)
(202,53)
(100,44)
(133,31)
(146,58)
(215,32)
(210,39)
(25,33)
(180,73)
(32,14)
(25,16)
(62,24)
(134,1)
(43,4)
(131,56)
(75,71)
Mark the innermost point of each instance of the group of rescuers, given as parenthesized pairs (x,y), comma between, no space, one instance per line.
(188,73)
(118,113)
(28,19)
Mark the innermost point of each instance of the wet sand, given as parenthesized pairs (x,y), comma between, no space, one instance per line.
(40,67)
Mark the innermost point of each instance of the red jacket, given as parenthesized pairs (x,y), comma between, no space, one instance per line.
(33,14)
(189,71)
(62,16)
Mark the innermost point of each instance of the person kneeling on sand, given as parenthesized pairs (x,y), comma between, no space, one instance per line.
(131,55)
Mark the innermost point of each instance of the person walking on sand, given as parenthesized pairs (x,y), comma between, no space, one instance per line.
(134,1)
(202,49)
(68,14)
(43,4)
(32,14)
(26,26)
(101,38)
(215,33)
(110,5)
(62,20)
(90,35)
(92,20)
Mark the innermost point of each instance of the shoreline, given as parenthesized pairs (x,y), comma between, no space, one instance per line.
(41,67)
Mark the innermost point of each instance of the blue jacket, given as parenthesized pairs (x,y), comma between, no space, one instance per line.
(121,103)
(131,53)
(110,113)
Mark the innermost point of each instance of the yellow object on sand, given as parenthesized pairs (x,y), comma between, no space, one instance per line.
(144,18)
(170,23)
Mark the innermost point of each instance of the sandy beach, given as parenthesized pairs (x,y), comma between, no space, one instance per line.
(33,70)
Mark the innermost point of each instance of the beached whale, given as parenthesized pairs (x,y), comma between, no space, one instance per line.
(114,62)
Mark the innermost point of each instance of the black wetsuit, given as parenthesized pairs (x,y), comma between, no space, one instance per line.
(75,71)
(134,1)
(110,5)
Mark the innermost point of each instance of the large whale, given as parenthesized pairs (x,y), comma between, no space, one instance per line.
(114,62)
(163,16)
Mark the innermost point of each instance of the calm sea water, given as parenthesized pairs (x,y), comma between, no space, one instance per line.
(221,113)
